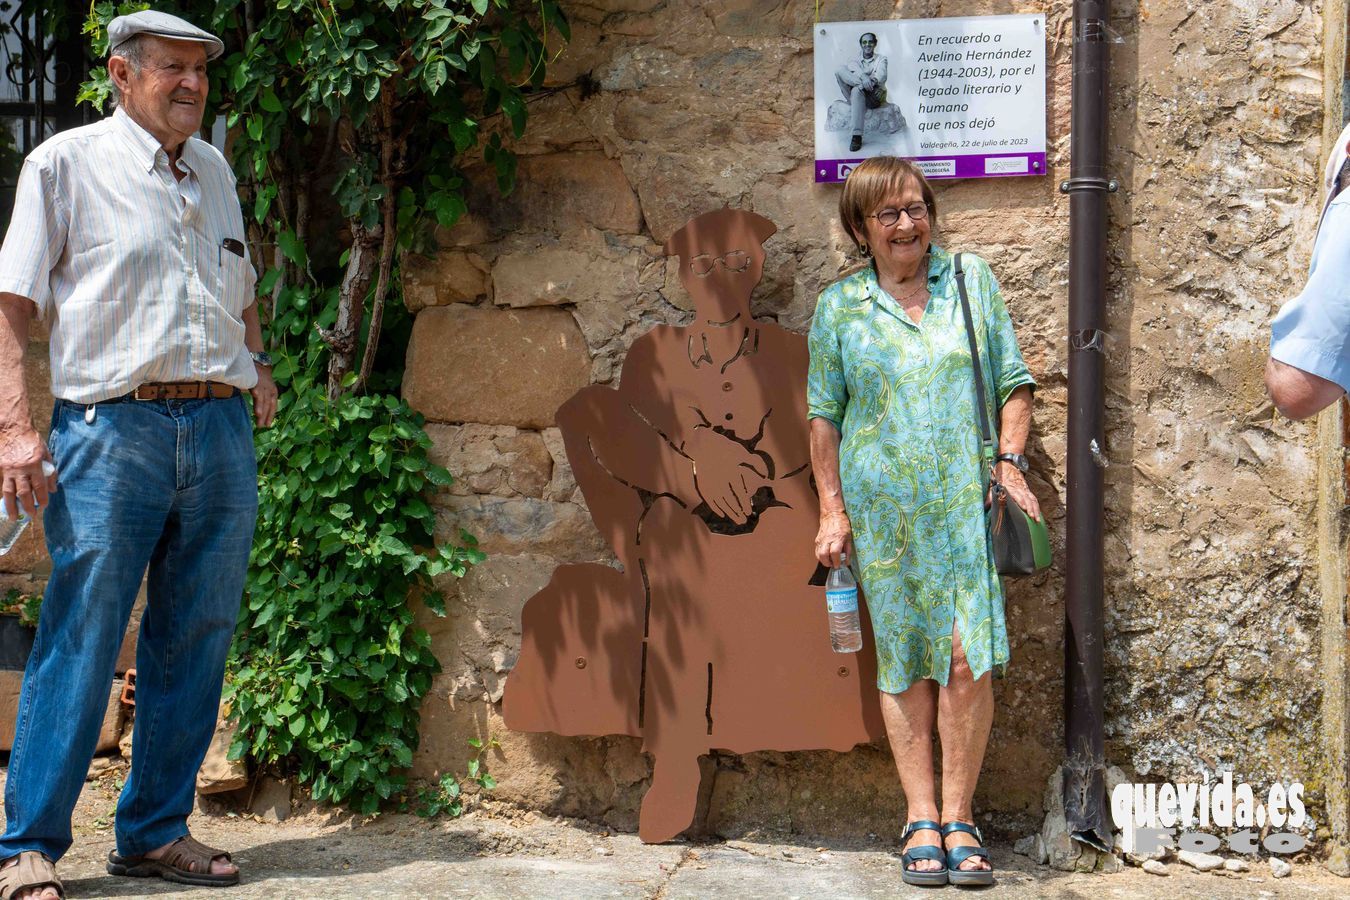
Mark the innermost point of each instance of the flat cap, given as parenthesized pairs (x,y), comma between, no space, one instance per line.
(160,24)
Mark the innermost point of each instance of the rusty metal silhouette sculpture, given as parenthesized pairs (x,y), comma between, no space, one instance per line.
(697,471)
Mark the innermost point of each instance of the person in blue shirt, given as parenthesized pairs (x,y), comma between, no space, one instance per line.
(1309,365)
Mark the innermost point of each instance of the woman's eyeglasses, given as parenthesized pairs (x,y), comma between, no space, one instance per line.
(888,217)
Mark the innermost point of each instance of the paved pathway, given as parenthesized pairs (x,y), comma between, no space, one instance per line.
(329,856)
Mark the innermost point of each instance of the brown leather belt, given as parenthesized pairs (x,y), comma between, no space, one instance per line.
(184,390)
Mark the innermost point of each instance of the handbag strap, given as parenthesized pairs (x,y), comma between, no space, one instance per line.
(988,448)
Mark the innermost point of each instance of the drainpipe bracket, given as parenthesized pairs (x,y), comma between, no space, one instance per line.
(1088,183)
(1096,31)
(1089,339)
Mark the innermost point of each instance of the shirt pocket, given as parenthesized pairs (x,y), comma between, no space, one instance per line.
(236,280)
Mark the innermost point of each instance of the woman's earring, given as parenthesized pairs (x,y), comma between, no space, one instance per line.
(865,250)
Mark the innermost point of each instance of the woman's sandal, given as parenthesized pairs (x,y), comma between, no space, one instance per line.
(934,878)
(33,871)
(958,855)
(187,861)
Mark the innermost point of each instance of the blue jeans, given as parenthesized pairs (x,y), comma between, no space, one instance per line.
(167,485)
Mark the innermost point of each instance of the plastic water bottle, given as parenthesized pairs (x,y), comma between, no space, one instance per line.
(10,529)
(841,599)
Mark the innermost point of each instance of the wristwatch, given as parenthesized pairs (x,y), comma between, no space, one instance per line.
(1018,460)
(262,358)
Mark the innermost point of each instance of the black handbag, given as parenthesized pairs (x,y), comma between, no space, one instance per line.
(1021,544)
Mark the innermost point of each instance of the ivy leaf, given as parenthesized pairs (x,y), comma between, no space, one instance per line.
(438,28)
(437,75)
(480,7)
(261,205)
(269,101)
(390,544)
(291,247)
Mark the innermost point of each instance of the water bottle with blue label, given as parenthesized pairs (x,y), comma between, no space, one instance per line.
(12,529)
(841,601)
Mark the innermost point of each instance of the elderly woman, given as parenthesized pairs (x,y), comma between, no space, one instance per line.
(895,448)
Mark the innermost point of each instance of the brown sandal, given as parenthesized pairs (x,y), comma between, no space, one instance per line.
(33,871)
(187,861)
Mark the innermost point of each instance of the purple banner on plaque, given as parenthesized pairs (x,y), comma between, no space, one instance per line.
(980,165)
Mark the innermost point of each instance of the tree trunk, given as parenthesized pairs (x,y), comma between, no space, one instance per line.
(345,336)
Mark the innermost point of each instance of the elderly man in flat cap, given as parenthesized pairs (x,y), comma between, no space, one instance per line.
(127,241)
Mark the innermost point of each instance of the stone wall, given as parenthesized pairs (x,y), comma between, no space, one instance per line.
(668,109)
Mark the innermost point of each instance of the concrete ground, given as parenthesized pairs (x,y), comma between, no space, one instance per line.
(334,856)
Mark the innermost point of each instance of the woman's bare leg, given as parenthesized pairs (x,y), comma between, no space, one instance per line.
(965,713)
(909,720)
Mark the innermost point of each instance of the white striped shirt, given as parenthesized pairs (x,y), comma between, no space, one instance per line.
(126,264)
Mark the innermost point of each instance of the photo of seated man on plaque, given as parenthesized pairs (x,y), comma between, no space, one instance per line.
(857,115)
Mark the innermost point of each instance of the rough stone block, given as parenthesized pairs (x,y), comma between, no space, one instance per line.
(219,773)
(1205,862)
(562,487)
(272,800)
(126,656)
(500,367)
(492,459)
(597,777)
(772,791)
(470,230)
(11,682)
(558,192)
(556,275)
(885,119)
(478,640)
(450,276)
(516,525)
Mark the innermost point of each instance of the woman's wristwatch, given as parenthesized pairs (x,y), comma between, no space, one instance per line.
(1018,460)
(262,358)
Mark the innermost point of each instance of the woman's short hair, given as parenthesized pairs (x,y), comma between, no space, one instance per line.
(870,183)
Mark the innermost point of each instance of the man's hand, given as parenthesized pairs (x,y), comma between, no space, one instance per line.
(24,485)
(264,395)
(726,475)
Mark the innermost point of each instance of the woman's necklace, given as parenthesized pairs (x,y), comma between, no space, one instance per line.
(905,298)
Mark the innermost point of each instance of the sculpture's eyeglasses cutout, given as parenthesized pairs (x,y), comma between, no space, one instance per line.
(734,261)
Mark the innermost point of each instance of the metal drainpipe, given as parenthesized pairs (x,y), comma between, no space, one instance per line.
(1084,766)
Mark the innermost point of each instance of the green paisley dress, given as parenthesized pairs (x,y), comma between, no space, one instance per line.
(903,397)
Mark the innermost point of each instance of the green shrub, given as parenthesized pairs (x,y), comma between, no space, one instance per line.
(328,666)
